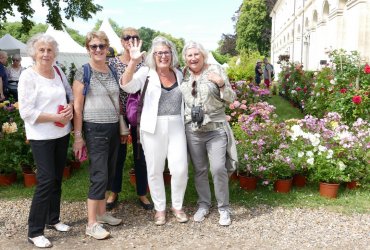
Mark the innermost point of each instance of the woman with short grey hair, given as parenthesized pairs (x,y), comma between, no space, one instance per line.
(206,90)
(43,105)
(14,71)
(161,127)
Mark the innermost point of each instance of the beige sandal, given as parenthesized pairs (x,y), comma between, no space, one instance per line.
(160,219)
(180,215)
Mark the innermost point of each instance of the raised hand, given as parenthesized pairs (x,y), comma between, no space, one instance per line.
(135,48)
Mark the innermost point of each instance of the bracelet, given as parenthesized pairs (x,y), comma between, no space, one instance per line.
(78,133)
(220,87)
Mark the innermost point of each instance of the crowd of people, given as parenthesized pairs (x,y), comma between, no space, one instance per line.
(182,118)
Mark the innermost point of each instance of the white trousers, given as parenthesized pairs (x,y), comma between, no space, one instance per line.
(168,141)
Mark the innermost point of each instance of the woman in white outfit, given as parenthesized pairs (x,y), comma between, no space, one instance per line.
(162,126)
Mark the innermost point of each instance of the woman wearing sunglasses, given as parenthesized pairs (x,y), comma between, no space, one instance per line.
(14,71)
(161,128)
(96,124)
(120,63)
(206,90)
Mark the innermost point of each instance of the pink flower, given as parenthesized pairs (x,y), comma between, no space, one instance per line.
(236,104)
(343,91)
(244,102)
(367,69)
(243,106)
(228,118)
(231,106)
(233,114)
(356,99)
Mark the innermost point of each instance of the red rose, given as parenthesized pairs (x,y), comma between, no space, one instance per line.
(367,69)
(298,89)
(343,91)
(356,99)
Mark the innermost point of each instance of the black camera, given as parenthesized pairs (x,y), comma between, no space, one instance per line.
(197,114)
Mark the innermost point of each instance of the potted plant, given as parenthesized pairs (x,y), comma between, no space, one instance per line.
(281,169)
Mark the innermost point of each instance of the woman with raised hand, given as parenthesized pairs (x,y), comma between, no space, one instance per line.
(120,63)
(211,143)
(96,125)
(161,126)
(42,91)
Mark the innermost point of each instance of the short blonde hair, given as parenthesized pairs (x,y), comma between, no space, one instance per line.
(127,30)
(41,37)
(96,34)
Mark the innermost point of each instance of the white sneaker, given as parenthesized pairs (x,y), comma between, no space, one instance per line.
(97,231)
(108,219)
(200,215)
(60,227)
(225,219)
(40,241)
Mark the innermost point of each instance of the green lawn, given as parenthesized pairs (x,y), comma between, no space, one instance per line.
(348,201)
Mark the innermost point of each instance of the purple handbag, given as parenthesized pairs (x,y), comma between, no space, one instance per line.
(131,108)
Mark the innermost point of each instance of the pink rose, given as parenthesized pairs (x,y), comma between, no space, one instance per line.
(243,106)
(228,118)
(236,104)
(231,106)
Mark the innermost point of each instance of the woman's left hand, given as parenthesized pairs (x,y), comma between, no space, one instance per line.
(216,79)
(67,112)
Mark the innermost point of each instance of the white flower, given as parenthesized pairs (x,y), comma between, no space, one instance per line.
(317,94)
(310,161)
(314,139)
(309,153)
(332,81)
(300,154)
(341,165)
(330,154)
(322,148)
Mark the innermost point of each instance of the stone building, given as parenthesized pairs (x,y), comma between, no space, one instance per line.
(307,30)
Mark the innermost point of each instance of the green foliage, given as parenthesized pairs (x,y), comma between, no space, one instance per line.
(245,69)
(82,9)
(254,27)
(220,58)
(179,43)
(80,39)
(15,30)
(227,45)
(146,35)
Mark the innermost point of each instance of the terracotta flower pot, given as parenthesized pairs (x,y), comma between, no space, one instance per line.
(299,180)
(29,178)
(8,179)
(234,176)
(167,178)
(351,185)
(283,186)
(247,183)
(67,172)
(132,177)
(329,190)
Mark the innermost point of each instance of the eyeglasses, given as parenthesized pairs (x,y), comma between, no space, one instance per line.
(162,53)
(194,90)
(16,60)
(128,37)
(94,47)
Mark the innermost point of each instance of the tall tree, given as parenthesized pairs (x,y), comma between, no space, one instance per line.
(74,8)
(146,35)
(227,45)
(15,30)
(253,26)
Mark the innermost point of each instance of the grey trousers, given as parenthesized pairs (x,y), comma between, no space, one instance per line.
(209,149)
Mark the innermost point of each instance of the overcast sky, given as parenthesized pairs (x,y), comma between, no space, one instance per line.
(199,20)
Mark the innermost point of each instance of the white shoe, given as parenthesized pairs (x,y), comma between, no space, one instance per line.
(225,219)
(97,231)
(108,219)
(201,214)
(60,227)
(40,241)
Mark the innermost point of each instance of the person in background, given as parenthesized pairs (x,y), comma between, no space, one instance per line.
(3,74)
(120,63)
(14,71)
(162,127)
(206,90)
(41,90)
(267,73)
(96,125)
(258,72)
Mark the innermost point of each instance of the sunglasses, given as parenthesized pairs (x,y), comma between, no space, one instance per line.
(194,90)
(16,60)
(128,37)
(96,46)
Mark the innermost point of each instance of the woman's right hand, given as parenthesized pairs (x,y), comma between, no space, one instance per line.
(135,48)
(77,147)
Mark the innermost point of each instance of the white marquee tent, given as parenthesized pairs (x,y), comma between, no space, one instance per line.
(114,40)
(211,59)
(69,50)
(12,46)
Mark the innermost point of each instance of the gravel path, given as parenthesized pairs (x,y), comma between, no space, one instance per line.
(256,228)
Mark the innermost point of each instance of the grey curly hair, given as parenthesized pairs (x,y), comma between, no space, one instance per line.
(160,40)
(41,37)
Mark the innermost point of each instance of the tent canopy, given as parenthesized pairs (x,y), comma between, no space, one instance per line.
(12,46)
(114,40)
(211,59)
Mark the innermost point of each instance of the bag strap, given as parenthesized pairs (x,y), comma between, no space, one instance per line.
(86,78)
(141,101)
(61,78)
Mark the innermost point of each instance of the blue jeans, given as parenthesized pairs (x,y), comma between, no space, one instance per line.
(139,166)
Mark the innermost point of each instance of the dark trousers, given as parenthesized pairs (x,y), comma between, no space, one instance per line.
(139,166)
(50,157)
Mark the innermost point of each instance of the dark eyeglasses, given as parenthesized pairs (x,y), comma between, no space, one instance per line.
(162,53)
(96,46)
(194,90)
(128,37)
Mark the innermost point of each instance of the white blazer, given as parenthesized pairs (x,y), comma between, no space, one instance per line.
(149,113)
